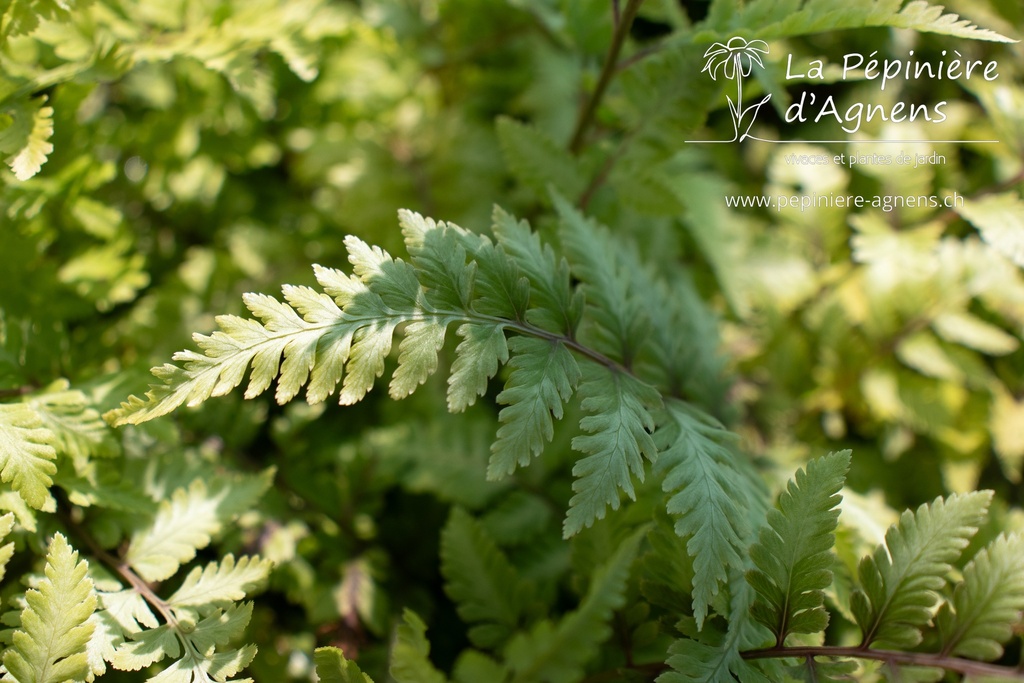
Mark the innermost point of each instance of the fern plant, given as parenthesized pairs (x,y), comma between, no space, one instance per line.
(514,303)
(165,155)
(904,583)
(615,340)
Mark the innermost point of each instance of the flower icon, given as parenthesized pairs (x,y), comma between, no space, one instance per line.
(736,59)
(736,56)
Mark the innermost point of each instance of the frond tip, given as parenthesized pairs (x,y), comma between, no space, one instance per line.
(792,557)
(50,644)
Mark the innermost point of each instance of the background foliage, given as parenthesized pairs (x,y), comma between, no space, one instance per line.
(165,157)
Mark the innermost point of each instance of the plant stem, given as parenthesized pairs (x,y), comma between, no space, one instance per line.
(955,664)
(121,567)
(602,175)
(586,117)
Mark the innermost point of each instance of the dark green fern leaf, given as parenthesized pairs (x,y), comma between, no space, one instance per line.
(792,558)
(900,580)
(617,438)
(987,604)
(708,497)
(482,582)
(544,376)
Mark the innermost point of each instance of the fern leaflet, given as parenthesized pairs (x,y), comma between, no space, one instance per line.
(410,654)
(481,580)
(987,604)
(332,667)
(706,500)
(219,585)
(773,19)
(482,349)
(49,645)
(792,558)
(718,659)
(539,161)
(7,550)
(544,376)
(899,581)
(614,325)
(26,453)
(553,306)
(556,653)
(186,523)
(78,430)
(618,437)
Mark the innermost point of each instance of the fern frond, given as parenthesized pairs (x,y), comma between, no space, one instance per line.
(410,654)
(482,350)
(345,333)
(50,644)
(921,16)
(78,430)
(708,497)
(772,19)
(544,376)
(483,583)
(6,551)
(716,658)
(554,306)
(899,582)
(618,437)
(186,523)
(792,558)
(537,161)
(613,325)
(987,604)
(558,653)
(219,584)
(26,453)
(332,667)
(196,645)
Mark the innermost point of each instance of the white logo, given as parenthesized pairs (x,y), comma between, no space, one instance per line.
(736,60)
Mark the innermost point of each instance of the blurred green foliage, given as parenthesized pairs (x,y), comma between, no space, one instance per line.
(165,156)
